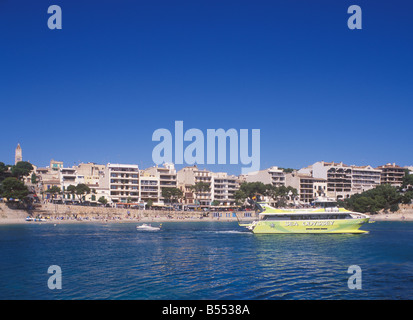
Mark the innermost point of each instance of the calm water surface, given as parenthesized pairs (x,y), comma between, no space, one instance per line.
(202,260)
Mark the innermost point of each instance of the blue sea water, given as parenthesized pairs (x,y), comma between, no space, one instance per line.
(203,260)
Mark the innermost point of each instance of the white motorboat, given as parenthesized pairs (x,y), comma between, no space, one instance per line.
(148,227)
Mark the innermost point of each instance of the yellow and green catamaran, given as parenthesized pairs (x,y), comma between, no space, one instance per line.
(324,217)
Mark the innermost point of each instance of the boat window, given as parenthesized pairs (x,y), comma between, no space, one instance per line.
(307,217)
(326,204)
(276,217)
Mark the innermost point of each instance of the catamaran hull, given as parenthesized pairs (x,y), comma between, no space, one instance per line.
(308,226)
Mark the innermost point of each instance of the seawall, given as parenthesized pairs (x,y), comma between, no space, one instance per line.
(85,213)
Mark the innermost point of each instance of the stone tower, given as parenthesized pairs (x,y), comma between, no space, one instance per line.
(18,154)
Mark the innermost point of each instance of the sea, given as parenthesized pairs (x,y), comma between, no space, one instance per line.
(202,260)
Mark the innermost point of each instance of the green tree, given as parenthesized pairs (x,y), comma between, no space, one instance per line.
(249,190)
(21,169)
(408,181)
(172,194)
(12,188)
(4,171)
(252,189)
(215,203)
(407,197)
(82,190)
(34,178)
(240,197)
(103,200)
(381,197)
(53,191)
(71,190)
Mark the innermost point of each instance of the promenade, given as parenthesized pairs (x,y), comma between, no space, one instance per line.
(72,213)
(58,213)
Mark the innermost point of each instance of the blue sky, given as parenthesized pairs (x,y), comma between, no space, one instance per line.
(118,70)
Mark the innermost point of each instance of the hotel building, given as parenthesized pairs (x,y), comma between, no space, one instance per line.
(308,187)
(337,175)
(165,177)
(391,174)
(273,175)
(149,187)
(122,180)
(364,178)
(223,188)
(343,180)
(188,177)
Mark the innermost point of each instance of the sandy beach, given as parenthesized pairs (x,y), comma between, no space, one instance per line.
(19,216)
(77,214)
(9,216)
(397,216)
(58,220)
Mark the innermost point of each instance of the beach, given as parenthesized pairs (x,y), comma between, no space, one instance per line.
(77,214)
(70,214)
(405,215)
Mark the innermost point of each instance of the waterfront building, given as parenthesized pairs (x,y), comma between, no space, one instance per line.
(364,178)
(272,175)
(188,177)
(337,175)
(47,178)
(308,187)
(165,176)
(123,182)
(223,188)
(344,180)
(91,173)
(392,174)
(149,188)
(67,176)
(18,154)
(188,194)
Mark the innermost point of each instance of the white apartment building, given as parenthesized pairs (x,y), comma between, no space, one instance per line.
(273,175)
(364,178)
(166,177)
(122,180)
(338,176)
(308,187)
(392,174)
(223,188)
(149,187)
(343,180)
(69,176)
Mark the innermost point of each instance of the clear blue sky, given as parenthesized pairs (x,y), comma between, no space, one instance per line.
(118,70)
